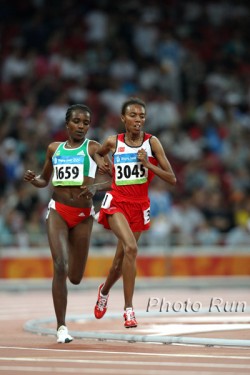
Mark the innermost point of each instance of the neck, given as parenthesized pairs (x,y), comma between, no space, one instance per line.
(134,137)
(72,144)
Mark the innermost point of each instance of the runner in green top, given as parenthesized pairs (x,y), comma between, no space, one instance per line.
(72,168)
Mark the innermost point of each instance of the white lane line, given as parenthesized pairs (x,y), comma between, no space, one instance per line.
(18,317)
(177,355)
(176,329)
(240,318)
(131,363)
(108,371)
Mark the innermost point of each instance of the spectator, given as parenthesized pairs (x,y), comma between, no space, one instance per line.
(11,161)
(239,235)
(195,79)
(185,220)
(217,213)
(160,208)
(16,65)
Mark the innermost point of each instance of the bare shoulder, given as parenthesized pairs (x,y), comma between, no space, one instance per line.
(93,143)
(153,138)
(154,141)
(111,140)
(53,146)
(94,146)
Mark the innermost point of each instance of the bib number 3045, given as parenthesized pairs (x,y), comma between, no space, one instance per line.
(128,171)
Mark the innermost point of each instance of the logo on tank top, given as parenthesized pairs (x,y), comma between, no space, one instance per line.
(121,149)
(81,153)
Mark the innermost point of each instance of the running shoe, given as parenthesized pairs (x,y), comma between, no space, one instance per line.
(101,304)
(130,320)
(63,336)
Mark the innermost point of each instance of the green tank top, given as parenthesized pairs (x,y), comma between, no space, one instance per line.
(72,164)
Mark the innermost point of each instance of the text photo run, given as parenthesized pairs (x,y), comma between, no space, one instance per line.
(215,305)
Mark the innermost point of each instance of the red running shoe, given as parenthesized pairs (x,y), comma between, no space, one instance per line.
(130,321)
(101,304)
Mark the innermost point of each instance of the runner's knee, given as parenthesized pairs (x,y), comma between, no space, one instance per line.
(74,279)
(131,250)
(60,267)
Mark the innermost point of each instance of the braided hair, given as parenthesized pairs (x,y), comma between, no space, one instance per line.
(74,107)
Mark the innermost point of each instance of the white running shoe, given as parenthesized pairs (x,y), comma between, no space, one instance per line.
(63,336)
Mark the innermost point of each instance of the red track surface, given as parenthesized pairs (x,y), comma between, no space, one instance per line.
(23,352)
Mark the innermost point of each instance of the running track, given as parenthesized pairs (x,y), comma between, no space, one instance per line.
(24,352)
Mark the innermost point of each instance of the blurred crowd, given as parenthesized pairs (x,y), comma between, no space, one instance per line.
(189,60)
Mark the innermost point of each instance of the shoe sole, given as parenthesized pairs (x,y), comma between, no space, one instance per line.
(67,341)
(100,317)
(130,326)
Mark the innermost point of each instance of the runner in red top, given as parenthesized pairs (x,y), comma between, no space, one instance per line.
(137,157)
(129,185)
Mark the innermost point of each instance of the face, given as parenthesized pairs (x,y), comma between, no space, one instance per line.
(134,118)
(78,124)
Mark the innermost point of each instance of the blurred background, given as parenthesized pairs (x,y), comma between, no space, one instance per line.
(190,62)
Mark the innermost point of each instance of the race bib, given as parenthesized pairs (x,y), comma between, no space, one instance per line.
(146,216)
(68,170)
(106,200)
(128,170)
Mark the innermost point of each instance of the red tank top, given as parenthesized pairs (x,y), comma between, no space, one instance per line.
(130,178)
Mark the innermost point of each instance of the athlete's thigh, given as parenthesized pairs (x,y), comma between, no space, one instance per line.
(57,231)
(79,241)
(137,235)
(119,253)
(120,227)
